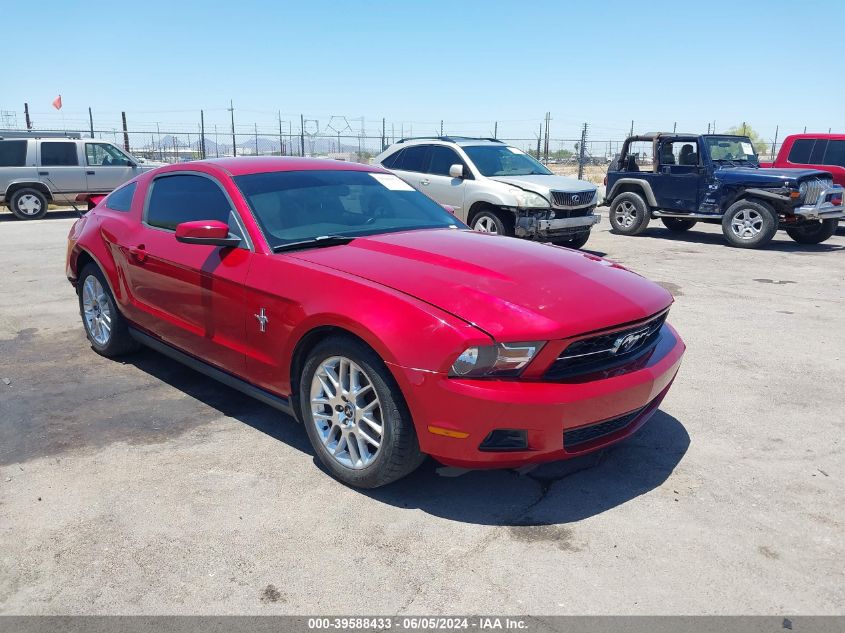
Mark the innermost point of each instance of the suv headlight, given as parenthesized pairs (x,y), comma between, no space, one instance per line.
(529,199)
(502,359)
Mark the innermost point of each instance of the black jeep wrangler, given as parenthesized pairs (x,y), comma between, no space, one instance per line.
(683,179)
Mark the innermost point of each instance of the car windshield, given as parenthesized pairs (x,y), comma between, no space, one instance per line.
(501,160)
(731,149)
(308,206)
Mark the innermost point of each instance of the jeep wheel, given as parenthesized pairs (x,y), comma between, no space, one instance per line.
(812,232)
(28,204)
(678,225)
(749,223)
(491,222)
(629,214)
(576,241)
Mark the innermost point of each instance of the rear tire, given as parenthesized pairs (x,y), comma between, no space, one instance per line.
(573,242)
(28,204)
(343,426)
(105,327)
(678,225)
(489,221)
(749,223)
(629,214)
(813,232)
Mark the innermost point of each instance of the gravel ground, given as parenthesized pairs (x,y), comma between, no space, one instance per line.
(142,487)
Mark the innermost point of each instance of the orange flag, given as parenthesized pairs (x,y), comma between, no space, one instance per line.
(57,102)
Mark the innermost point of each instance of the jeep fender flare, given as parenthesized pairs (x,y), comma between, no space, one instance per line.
(645,185)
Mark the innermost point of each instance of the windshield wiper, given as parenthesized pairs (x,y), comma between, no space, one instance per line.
(314,242)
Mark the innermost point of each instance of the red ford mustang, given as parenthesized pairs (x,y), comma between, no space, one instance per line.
(337,293)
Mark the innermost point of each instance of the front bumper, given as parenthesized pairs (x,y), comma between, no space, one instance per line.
(545,410)
(544,225)
(829,206)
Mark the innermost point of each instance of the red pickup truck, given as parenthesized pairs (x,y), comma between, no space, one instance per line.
(813,151)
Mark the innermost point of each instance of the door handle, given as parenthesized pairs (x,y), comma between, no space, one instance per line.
(425,181)
(139,254)
(90,173)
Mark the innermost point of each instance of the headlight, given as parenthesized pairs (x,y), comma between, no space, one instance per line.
(529,199)
(503,359)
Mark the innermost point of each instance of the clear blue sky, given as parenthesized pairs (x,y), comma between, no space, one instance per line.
(470,63)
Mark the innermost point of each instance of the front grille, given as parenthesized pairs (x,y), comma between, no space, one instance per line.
(815,188)
(605,351)
(583,434)
(573,199)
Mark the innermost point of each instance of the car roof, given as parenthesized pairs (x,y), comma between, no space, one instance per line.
(244,165)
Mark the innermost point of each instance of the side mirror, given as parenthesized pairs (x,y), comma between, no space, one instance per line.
(456,171)
(208,232)
(449,208)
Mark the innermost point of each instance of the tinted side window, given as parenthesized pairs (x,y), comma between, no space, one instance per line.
(12,153)
(121,199)
(800,152)
(817,155)
(413,158)
(184,198)
(442,158)
(58,154)
(390,160)
(835,154)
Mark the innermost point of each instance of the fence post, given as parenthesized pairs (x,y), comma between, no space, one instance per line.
(202,133)
(581,152)
(125,132)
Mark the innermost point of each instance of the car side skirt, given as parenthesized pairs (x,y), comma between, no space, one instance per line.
(277,402)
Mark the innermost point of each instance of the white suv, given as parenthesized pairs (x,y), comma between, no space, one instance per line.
(496,188)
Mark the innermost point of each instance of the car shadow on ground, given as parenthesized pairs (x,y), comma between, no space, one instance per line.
(549,494)
(781,242)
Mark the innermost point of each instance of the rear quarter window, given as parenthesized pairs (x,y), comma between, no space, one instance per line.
(12,153)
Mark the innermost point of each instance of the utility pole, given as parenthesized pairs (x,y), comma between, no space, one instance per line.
(26,116)
(302,135)
(125,132)
(91,122)
(202,133)
(231,109)
(581,152)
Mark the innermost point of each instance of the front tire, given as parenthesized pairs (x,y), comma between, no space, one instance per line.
(678,225)
(492,222)
(749,224)
(355,415)
(105,327)
(573,242)
(813,232)
(28,204)
(629,214)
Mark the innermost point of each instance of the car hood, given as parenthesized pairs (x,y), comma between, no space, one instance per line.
(512,289)
(544,184)
(767,175)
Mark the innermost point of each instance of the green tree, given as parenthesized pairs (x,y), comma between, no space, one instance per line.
(743,129)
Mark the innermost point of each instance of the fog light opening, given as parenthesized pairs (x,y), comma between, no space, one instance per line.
(505,440)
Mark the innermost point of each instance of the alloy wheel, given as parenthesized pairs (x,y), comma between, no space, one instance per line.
(346,412)
(29,204)
(96,310)
(747,224)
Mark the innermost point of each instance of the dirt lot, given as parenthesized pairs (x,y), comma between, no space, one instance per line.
(142,487)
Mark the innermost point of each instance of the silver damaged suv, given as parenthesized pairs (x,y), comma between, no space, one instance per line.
(496,188)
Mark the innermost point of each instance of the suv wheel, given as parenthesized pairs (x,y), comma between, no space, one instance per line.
(28,204)
(574,242)
(105,326)
(749,223)
(812,232)
(678,224)
(355,415)
(629,214)
(491,222)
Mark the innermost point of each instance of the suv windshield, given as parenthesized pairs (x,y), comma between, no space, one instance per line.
(302,206)
(501,160)
(731,149)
